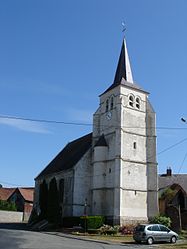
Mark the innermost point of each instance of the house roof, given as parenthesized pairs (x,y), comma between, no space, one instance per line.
(27,193)
(5,193)
(165,181)
(69,156)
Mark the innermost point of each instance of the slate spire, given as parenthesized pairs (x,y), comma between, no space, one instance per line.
(123,73)
(123,68)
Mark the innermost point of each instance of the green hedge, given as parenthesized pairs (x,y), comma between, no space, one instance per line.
(92,222)
(8,206)
(160,219)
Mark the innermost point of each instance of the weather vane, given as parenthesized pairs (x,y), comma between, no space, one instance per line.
(124,27)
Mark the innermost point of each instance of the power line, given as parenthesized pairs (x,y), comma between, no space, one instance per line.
(83,124)
(112,172)
(182,162)
(43,120)
(72,123)
(170,147)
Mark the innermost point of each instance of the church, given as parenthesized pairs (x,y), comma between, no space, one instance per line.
(113,170)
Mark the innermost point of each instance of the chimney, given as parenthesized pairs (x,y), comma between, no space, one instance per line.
(169,171)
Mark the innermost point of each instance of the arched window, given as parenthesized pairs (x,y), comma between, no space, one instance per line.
(131,100)
(138,102)
(107,105)
(112,103)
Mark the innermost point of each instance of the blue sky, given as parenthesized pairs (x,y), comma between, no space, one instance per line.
(56,57)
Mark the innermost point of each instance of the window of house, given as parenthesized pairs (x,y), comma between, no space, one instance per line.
(112,103)
(107,105)
(131,100)
(138,102)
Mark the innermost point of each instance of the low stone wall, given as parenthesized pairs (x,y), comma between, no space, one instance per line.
(10,216)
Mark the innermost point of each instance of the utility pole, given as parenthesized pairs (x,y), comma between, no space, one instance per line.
(180,220)
(85,215)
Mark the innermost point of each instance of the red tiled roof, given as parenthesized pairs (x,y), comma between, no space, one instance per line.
(5,193)
(27,193)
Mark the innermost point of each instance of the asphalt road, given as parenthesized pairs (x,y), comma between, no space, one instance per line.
(15,237)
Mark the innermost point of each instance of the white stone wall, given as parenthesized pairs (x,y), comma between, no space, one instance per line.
(103,201)
(10,216)
(133,163)
(82,185)
(151,162)
(103,182)
(133,179)
(136,205)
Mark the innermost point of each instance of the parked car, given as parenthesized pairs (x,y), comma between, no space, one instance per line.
(154,233)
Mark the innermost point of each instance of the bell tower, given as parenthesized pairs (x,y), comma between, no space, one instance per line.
(124,186)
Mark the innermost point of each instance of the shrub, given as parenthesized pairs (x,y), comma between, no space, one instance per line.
(168,194)
(92,222)
(160,219)
(8,206)
(126,229)
(108,230)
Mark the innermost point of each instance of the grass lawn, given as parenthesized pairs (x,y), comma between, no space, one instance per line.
(112,238)
(128,239)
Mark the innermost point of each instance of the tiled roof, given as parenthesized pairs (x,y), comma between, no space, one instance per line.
(166,181)
(27,193)
(5,193)
(69,156)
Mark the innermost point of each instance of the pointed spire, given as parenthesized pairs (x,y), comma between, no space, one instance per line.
(123,72)
(123,68)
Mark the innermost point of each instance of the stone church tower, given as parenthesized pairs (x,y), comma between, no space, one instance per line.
(113,170)
(124,186)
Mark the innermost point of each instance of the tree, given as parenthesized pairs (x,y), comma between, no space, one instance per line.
(161,219)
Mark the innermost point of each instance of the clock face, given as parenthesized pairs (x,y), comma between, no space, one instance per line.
(109,115)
